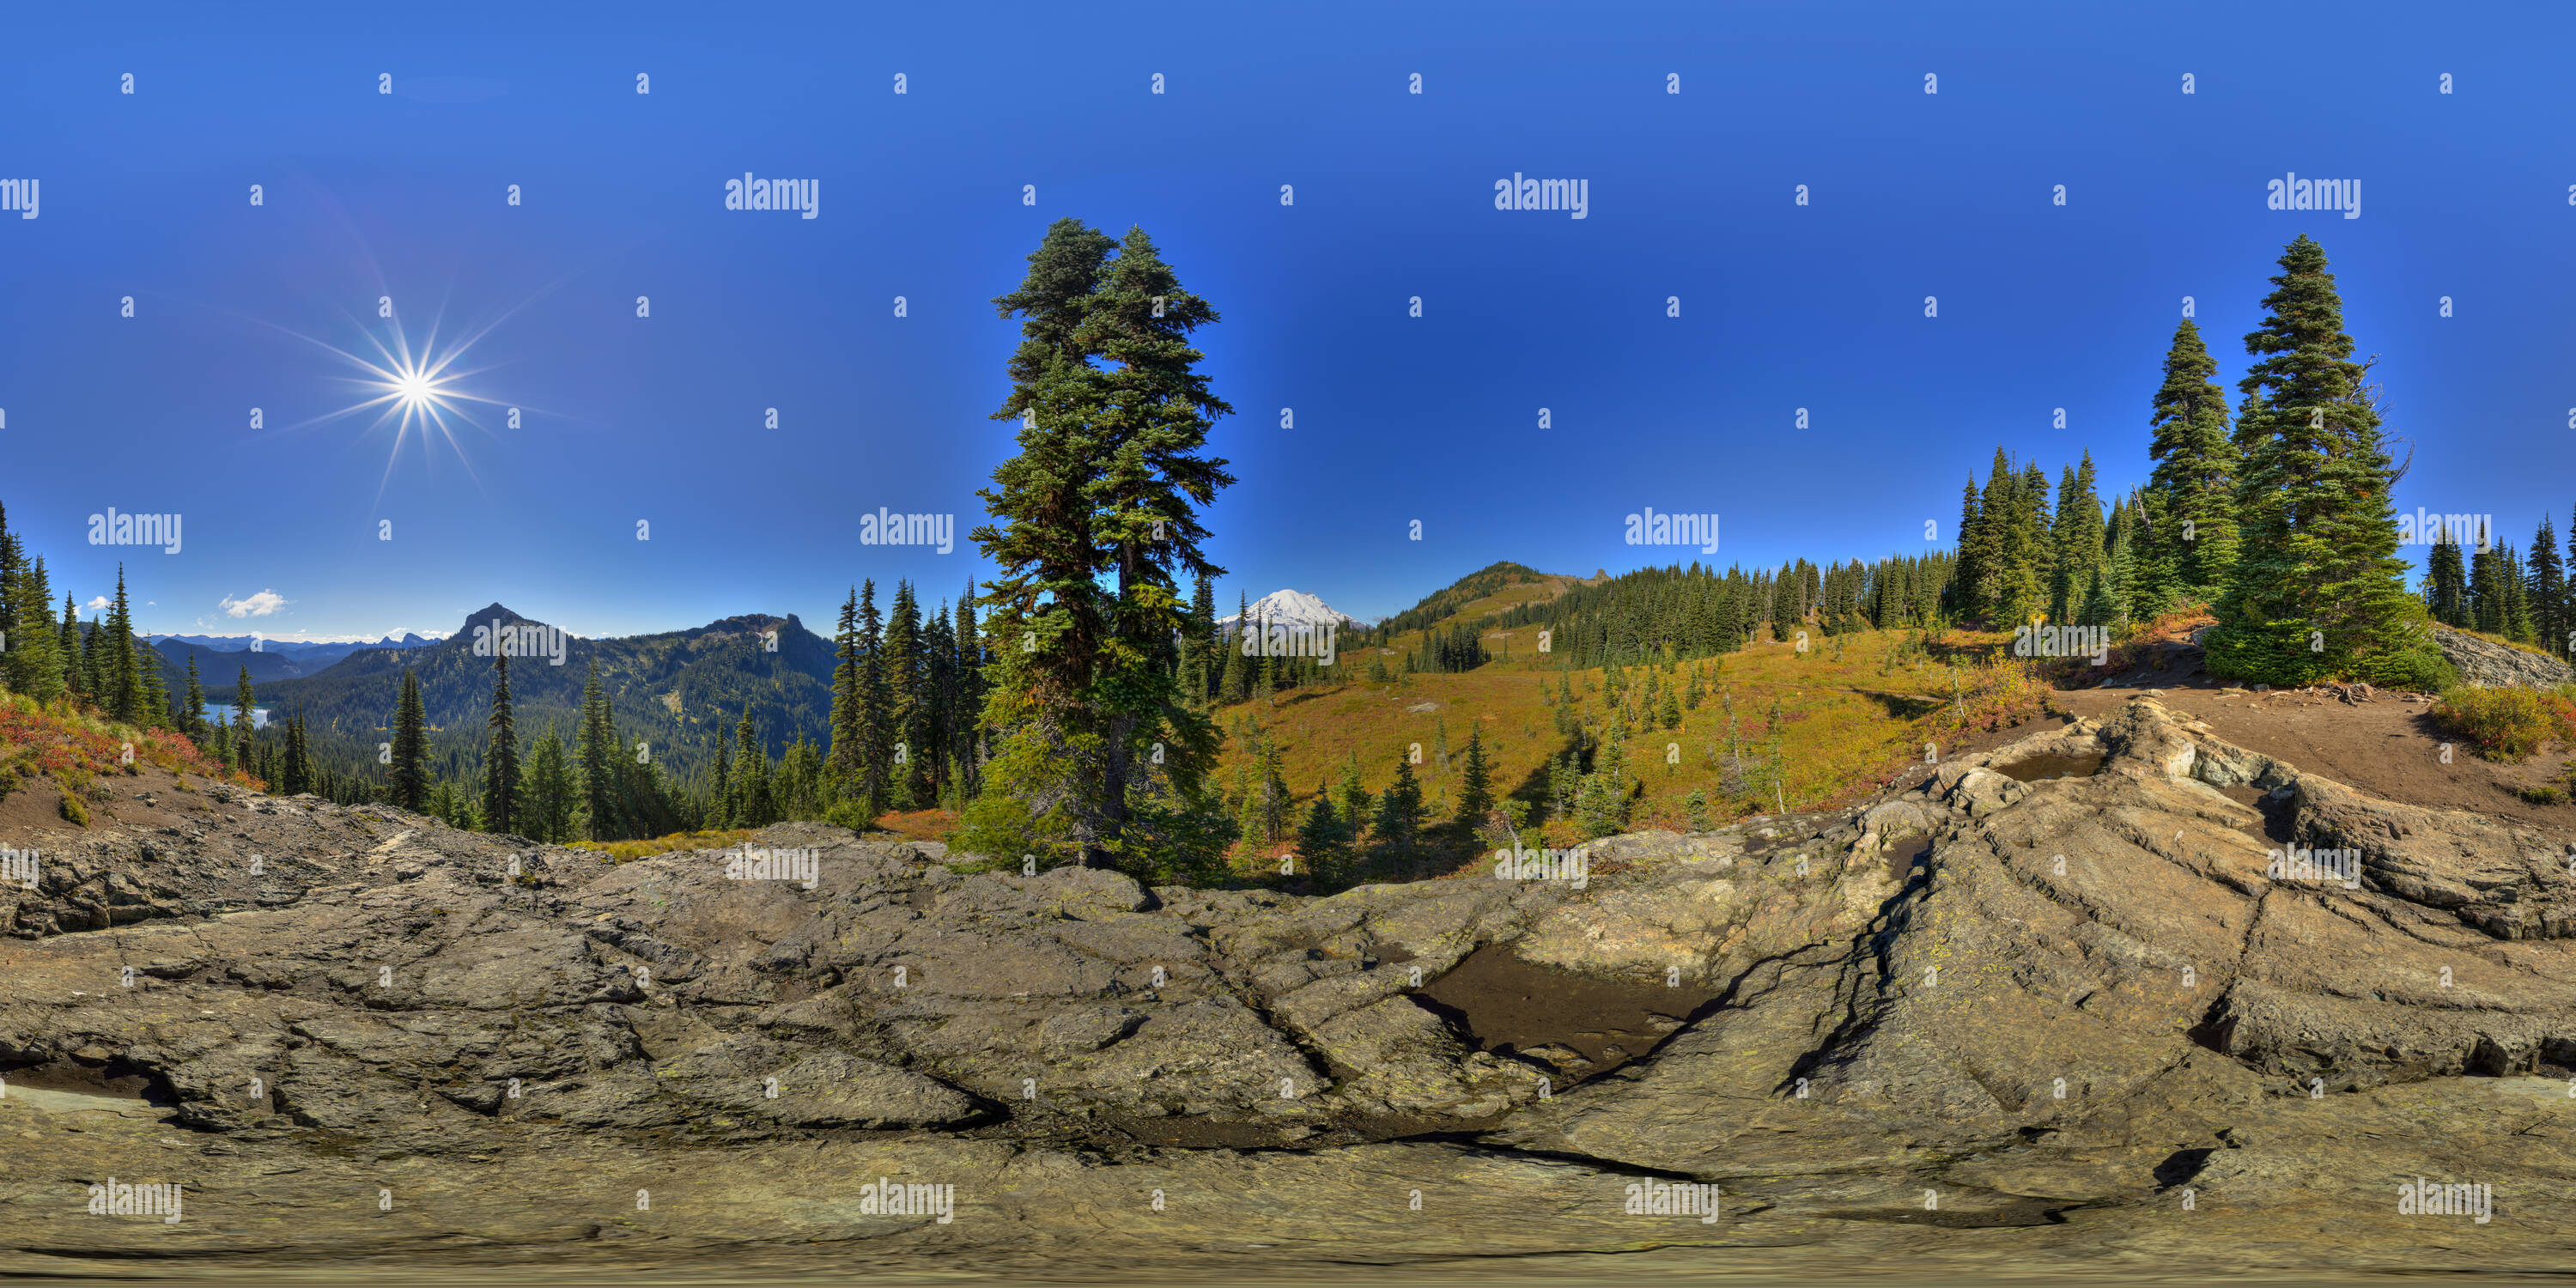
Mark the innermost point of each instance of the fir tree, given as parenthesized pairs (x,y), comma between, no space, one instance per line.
(2195,467)
(2548,594)
(1096,519)
(906,669)
(1476,779)
(2317,589)
(122,679)
(2446,581)
(193,717)
(1322,841)
(849,723)
(876,706)
(600,762)
(242,703)
(552,793)
(1355,798)
(1399,812)
(501,758)
(407,778)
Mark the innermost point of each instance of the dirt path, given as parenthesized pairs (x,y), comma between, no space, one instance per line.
(2389,747)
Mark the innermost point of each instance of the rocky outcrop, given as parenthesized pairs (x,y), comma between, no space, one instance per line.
(2499,666)
(2115,993)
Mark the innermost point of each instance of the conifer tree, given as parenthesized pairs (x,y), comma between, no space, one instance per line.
(600,762)
(2549,603)
(552,793)
(1399,811)
(123,687)
(35,648)
(1322,841)
(2317,588)
(193,717)
(849,723)
(1476,779)
(2517,600)
(876,706)
(907,670)
(407,774)
(2446,581)
(2078,539)
(2195,469)
(74,676)
(1097,517)
(501,758)
(242,703)
(2486,589)
(1356,798)
(152,707)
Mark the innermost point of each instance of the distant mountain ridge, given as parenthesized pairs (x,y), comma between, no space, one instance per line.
(675,692)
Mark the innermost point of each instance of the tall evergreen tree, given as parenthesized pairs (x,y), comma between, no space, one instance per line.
(34,656)
(407,779)
(2549,602)
(600,762)
(907,674)
(1476,779)
(2317,589)
(123,678)
(849,725)
(193,717)
(2446,581)
(876,706)
(501,758)
(1097,517)
(552,793)
(243,701)
(2195,470)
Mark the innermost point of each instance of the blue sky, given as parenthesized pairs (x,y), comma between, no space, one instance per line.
(1396,418)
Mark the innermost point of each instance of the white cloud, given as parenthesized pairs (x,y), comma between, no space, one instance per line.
(96,604)
(259,605)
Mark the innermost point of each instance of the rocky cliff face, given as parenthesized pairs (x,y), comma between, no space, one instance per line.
(2090,1000)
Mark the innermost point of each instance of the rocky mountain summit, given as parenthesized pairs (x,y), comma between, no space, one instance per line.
(2115,996)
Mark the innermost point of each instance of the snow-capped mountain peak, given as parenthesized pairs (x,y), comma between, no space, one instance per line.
(1289,608)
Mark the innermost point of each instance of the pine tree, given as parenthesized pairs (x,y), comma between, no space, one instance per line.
(2486,589)
(69,645)
(1399,811)
(2078,539)
(2317,589)
(2195,467)
(407,778)
(908,703)
(2446,581)
(2517,600)
(876,706)
(243,700)
(1097,518)
(1322,841)
(501,758)
(849,723)
(600,763)
(552,793)
(152,706)
(2548,594)
(193,717)
(123,680)
(1476,779)
(1356,798)
(34,647)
